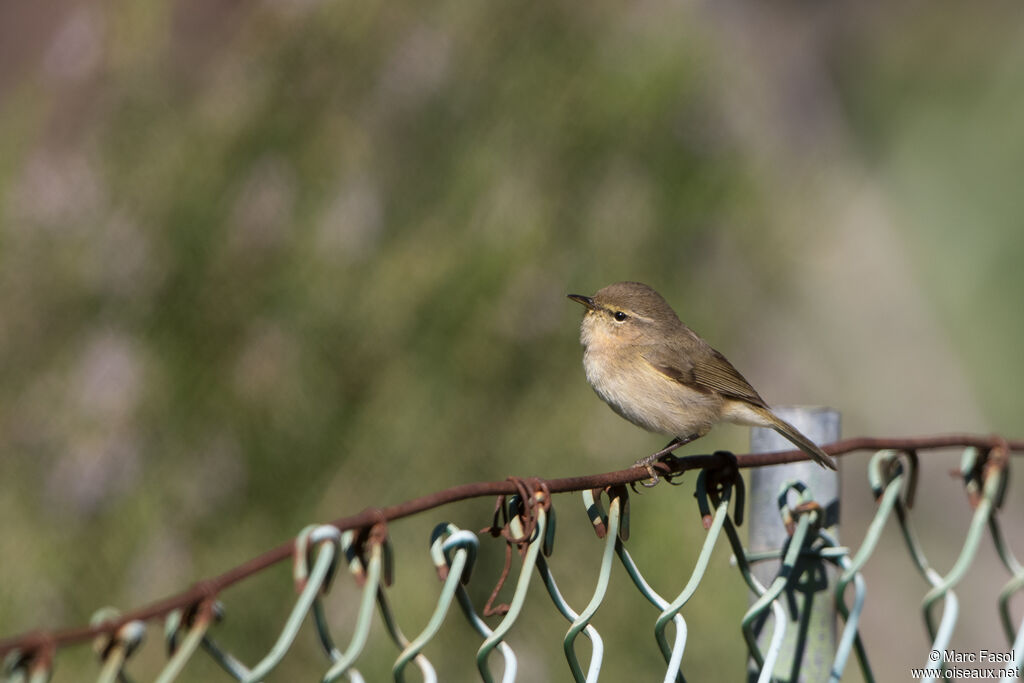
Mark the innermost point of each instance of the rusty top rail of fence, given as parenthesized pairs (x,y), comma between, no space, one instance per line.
(204,590)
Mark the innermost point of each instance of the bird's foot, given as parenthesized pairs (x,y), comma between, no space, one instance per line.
(648,464)
(660,456)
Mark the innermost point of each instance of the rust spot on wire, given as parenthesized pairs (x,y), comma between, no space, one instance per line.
(532,493)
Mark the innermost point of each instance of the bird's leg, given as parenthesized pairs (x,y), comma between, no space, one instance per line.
(649,461)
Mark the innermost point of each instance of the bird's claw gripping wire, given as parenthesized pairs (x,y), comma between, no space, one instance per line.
(530,493)
(661,457)
(653,476)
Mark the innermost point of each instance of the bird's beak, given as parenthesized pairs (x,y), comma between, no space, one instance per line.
(585,300)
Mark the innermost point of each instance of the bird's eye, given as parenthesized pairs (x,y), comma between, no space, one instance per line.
(620,316)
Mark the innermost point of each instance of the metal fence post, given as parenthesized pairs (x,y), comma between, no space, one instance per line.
(810,638)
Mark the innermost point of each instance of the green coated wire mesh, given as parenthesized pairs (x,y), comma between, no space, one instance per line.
(524,520)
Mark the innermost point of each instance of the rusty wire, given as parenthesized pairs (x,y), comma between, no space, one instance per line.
(41,645)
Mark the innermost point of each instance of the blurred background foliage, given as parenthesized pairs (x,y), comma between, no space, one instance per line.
(266,264)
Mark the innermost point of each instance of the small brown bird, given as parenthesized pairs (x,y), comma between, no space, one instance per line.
(657,373)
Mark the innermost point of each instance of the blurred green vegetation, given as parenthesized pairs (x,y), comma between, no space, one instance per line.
(262,265)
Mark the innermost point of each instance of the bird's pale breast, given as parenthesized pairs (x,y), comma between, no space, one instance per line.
(646,397)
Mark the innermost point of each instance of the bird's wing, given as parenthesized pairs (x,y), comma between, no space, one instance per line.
(705,370)
(718,373)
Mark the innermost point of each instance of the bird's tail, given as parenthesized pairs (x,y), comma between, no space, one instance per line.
(798,439)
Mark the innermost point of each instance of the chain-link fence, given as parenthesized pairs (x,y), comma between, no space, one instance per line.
(524,520)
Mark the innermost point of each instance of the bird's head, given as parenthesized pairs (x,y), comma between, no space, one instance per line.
(624,313)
